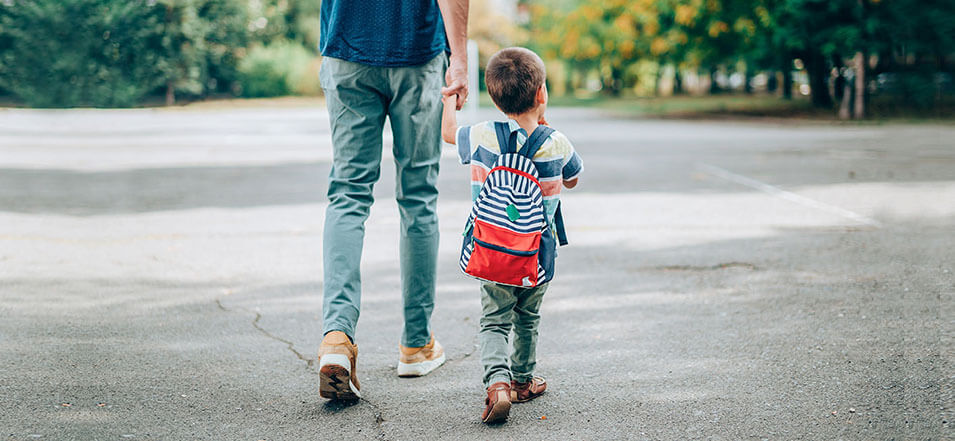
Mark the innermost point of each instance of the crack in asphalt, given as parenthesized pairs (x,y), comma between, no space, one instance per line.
(263,331)
(309,363)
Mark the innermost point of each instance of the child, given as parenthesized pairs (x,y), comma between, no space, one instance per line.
(515,81)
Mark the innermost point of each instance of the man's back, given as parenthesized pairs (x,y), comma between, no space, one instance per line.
(387,33)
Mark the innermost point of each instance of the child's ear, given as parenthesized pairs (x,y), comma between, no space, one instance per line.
(542,94)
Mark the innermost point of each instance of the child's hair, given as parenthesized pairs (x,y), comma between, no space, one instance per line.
(513,76)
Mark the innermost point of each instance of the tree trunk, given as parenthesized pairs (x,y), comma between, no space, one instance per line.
(860,86)
(613,85)
(714,86)
(788,81)
(677,81)
(747,79)
(818,81)
(571,88)
(170,93)
(846,98)
(838,88)
(772,83)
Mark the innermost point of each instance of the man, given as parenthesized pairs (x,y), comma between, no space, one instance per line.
(385,58)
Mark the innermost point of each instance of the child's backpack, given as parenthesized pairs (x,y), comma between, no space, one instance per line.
(507,238)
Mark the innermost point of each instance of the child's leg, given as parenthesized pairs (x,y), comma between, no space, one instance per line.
(497,302)
(526,320)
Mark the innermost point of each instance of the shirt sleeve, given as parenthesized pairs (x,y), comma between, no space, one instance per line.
(573,164)
(463,139)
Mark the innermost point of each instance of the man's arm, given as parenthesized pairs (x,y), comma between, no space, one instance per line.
(455,15)
(449,123)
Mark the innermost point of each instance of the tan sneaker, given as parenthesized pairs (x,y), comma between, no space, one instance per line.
(415,362)
(497,405)
(337,360)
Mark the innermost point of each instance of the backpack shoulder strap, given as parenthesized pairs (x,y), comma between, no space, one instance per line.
(559,226)
(535,141)
(506,139)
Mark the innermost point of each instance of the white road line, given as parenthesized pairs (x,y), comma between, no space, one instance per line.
(789,196)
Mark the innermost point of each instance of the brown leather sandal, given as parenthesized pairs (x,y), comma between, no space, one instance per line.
(521,392)
(497,405)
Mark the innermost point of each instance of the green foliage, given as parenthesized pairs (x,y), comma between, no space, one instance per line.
(66,53)
(202,41)
(279,69)
(63,53)
(275,21)
(609,36)
(597,34)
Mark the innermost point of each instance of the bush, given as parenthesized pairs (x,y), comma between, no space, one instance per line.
(66,53)
(113,53)
(279,69)
(202,41)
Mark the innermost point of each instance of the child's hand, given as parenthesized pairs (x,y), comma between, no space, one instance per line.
(450,100)
(449,123)
(542,121)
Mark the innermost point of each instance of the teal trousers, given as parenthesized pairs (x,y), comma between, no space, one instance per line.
(359,98)
(505,308)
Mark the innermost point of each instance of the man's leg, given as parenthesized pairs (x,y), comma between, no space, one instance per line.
(415,116)
(356,110)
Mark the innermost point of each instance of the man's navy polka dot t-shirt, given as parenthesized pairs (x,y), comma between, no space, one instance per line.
(382,32)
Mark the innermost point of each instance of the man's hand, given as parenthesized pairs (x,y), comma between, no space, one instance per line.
(457,80)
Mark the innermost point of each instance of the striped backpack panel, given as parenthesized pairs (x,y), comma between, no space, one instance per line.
(507,237)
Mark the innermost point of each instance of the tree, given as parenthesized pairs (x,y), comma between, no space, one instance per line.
(603,35)
(65,53)
(202,41)
(712,33)
(818,31)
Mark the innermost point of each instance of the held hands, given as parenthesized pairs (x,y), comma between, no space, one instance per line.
(542,121)
(457,81)
(450,100)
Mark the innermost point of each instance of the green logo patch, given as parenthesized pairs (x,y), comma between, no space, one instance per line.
(512,213)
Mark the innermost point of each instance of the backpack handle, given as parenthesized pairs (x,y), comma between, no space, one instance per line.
(506,139)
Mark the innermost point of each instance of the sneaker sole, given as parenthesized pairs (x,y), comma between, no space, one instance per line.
(335,379)
(420,368)
(499,412)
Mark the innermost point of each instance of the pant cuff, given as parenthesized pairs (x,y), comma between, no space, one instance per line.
(523,378)
(348,332)
(497,379)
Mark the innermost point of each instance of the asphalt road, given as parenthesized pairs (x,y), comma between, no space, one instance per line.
(160,278)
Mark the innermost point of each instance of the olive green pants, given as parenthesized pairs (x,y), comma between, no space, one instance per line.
(506,308)
(359,98)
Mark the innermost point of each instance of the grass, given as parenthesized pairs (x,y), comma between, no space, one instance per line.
(881,109)
(746,106)
(695,106)
(228,103)
(708,106)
